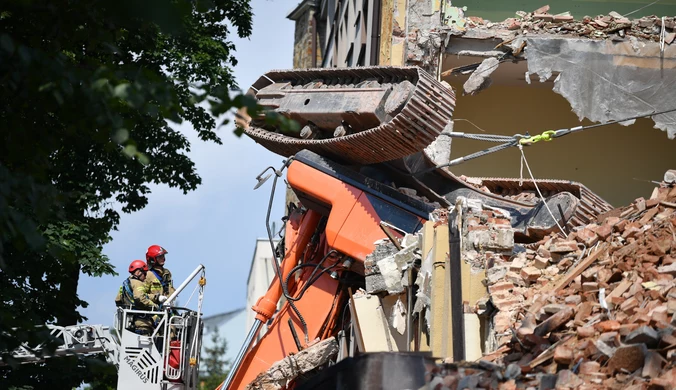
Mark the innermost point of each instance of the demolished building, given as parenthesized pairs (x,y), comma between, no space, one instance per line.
(606,67)
(587,306)
(594,308)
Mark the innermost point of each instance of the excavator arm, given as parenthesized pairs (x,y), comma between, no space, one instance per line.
(327,240)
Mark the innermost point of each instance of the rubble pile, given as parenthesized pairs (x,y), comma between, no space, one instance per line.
(596,309)
(612,25)
(525,196)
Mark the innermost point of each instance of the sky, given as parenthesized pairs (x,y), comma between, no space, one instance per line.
(217,224)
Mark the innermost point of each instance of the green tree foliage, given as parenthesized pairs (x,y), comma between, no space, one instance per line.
(213,367)
(87,91)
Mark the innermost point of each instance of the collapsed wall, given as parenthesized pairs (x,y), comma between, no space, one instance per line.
(593,309)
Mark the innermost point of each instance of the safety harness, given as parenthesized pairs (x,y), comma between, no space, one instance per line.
(127,293)
(164,283)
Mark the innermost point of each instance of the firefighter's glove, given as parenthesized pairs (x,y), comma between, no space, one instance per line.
(161,298)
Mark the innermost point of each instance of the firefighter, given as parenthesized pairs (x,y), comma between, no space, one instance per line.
(136,295)
(159,279)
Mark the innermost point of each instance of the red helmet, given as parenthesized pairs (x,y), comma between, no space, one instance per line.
(137,264)
(153,252)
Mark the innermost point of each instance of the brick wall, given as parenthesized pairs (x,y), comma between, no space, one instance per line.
(302,42)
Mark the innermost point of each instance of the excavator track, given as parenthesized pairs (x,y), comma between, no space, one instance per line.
(360,115)
(590,207)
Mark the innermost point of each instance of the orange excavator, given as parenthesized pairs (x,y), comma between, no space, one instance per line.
(366,133)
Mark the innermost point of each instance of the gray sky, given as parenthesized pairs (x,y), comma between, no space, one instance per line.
(217,224)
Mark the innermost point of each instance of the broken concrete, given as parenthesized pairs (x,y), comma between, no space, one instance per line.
(626,67)
(387,274)
(624,79)
(375,282)
(277,376)
(481,77)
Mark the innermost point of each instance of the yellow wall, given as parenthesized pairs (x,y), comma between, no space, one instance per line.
(606,159)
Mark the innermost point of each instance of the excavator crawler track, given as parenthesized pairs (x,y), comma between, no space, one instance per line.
(357,115)
(590,207)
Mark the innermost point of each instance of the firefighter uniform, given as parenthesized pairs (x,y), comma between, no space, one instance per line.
(135,294)
(159,281)
(163,285)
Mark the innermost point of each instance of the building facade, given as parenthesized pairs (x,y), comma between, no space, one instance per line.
(261,274)
(555,67)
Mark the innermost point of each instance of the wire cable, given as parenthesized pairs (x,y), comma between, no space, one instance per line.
(642,8)
(522,140)
(523,160)
(277,262)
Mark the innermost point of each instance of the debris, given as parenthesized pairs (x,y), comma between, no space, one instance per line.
(540,21)
(594,310)
(480,78)
(277,376)
(670,176)
(602,314)
(628,358)
(643,335)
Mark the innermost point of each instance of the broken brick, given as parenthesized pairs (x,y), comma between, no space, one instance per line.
(500,286)
(643,335)
(608,326)
(563,18)
(563,354)
(625,329)
(585,331)
(530,274)
(652,365)
(629,358)
(542,10)
(545,17)
(540,262)
(587,236)
(629,305)
(589,367)
(563,247)
(604,231)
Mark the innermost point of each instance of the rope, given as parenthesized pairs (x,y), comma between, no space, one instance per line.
(523,160)
(663,36)
(468,121)
(642,8)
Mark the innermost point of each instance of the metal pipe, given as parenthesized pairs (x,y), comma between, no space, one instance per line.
(255,328)
(183,285)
